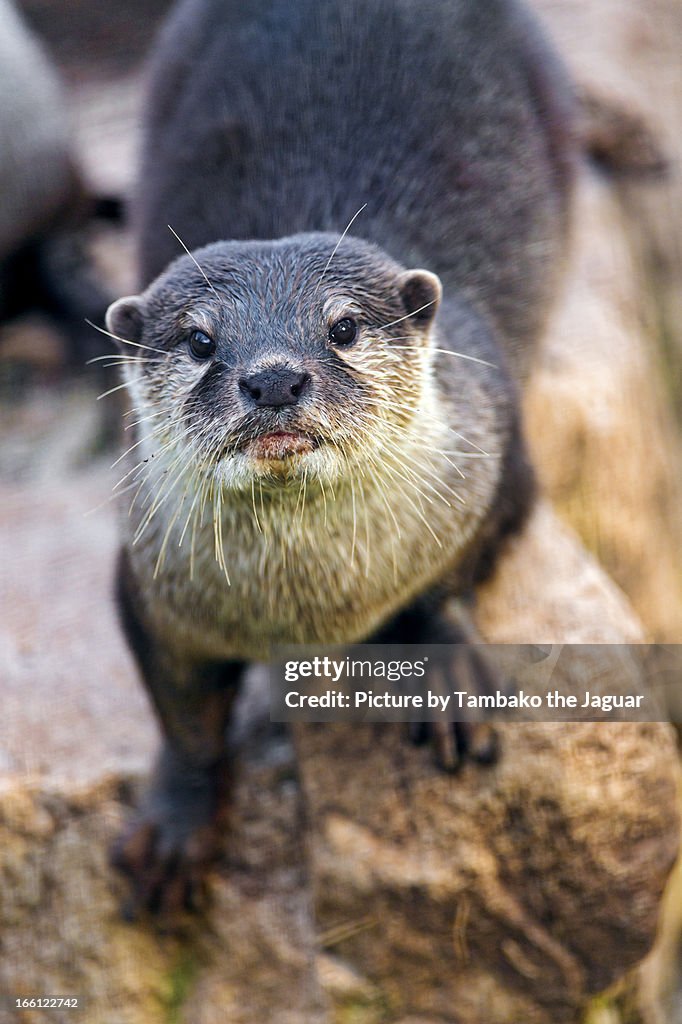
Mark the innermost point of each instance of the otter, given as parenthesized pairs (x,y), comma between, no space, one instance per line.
(373,199)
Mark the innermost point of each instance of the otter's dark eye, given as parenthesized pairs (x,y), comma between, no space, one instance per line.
(344,332)
(200,345)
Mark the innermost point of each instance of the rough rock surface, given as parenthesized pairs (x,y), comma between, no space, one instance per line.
(604,407)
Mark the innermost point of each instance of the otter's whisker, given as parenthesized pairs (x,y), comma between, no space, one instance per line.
(382,493)
(468,455)
(431,474)
(324,500)
(194,260)
(396,532)
(127,452)
(467,441)
(143,419)
(102,504)
(282,537)
(161,497)
(407,315)
(305,492)
(218,511)
(355,517)
(195,499)
(119,387)
(260,488)
(390,467)
(253,502)
(451,463)
(446,352)
(125,341)
(334,250)
(197,522)
(413,477)
(429,453)
(188,463)
(120,359)
(368,544)
(144,462)
(416,477)
(164,543)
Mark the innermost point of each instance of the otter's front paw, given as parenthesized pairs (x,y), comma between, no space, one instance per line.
(174,837)
(455,742)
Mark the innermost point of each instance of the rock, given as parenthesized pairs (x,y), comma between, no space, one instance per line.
(604,407)
(602,434)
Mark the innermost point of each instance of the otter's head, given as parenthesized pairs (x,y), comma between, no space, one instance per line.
(275,360)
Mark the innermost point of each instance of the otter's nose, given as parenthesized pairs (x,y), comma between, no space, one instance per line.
(275,386)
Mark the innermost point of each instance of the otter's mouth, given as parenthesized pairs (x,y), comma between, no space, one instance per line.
(280,445)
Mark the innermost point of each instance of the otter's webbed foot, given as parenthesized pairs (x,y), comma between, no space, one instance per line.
(173,838)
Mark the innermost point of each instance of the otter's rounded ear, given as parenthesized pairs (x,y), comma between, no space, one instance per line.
(125,318)
(420,291)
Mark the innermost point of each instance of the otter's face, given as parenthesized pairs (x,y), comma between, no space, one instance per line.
(279,361)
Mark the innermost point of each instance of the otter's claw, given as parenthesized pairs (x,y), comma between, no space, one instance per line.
(454,742)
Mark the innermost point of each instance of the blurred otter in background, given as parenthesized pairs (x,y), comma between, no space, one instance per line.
(45,207)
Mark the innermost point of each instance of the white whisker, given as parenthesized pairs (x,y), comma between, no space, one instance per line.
(334,250)
(194,260)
